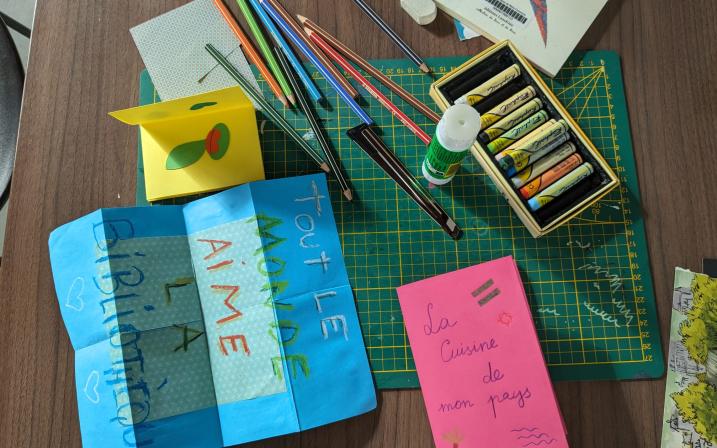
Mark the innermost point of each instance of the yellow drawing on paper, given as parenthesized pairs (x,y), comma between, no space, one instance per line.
(197,144)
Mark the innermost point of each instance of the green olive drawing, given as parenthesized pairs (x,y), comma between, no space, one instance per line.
(216,144)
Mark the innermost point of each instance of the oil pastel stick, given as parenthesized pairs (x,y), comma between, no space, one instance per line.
(513,170)
(561,186)
(519,131)
(540,130)
(489,87)
(498,97)
(477,74)
(519,152)
(543,165)
(496,130)
(551,176)
(507,106)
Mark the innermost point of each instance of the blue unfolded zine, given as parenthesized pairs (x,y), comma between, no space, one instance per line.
(223,321)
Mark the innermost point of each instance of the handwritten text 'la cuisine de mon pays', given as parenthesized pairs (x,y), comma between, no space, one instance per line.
(460,351)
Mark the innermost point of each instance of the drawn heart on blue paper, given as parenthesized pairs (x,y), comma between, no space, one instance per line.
(74,298)
(91,385)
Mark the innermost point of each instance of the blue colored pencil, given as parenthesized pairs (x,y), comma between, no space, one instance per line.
(299,42)
(281,43)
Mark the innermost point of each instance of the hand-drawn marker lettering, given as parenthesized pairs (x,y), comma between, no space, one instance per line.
(227,302)
(307,220)
(304,244)
(324,261)
(268,240)
(292,361)
(114,230)
(186,340)
(217,246)
(314,197)
(305,223)
(117,279)
(233,340)
(282,328)
(335,321)
(321,295)
(178,283)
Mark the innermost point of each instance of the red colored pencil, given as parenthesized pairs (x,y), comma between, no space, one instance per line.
(385,102)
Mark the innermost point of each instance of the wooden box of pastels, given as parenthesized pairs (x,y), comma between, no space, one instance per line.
(544,164)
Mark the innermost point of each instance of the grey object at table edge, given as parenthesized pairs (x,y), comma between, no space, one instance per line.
(11,84)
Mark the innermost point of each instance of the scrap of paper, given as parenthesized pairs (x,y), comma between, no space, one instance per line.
(227,320)
(690,412)
(172,48)
(464,33)
(482,374)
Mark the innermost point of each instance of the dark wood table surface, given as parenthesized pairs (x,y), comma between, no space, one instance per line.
(72,159)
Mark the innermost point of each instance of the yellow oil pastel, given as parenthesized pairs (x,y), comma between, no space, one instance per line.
(197,144)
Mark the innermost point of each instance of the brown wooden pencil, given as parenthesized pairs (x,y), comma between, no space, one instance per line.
(370,69)
(314,124)
(319,54)
(407,50)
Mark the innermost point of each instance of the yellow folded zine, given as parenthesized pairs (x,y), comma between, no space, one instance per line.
(197,144)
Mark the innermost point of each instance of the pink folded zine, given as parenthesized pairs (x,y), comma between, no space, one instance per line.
(478,358)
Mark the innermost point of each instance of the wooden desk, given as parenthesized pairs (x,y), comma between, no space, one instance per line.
(72,159)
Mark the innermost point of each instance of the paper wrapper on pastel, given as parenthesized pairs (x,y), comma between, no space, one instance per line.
(228,320)
(172,48)
(482,373)
(197,144)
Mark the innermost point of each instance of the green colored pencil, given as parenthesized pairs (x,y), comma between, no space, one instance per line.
(266,50)
(266,107)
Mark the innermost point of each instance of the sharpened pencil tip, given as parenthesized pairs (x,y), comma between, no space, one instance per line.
(301,18)
(349,195)
(325,167)
(292,99)
(424,68)
(282,98)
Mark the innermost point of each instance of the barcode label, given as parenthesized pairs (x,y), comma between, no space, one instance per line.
(509,10)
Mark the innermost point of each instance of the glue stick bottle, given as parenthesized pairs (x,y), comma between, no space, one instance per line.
(455,134)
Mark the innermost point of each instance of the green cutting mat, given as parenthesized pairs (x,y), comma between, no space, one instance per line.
(388,241)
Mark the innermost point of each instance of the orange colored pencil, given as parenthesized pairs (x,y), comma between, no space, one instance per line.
(251,52)
(355,74)
(370,69)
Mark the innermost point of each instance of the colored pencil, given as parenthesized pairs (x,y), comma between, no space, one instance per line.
(266,106)
(311,88)
(408,51)
(289,21)
(300,42)
(318,131)
(376,149)
(370,69)
(385,102)
(266,50)
(250,51)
